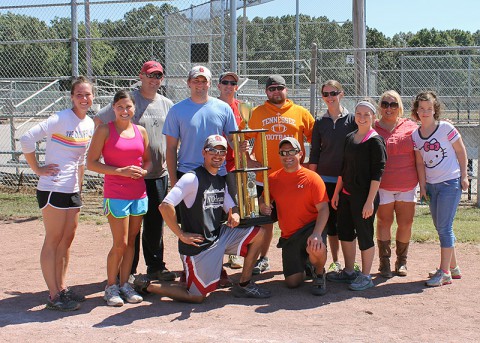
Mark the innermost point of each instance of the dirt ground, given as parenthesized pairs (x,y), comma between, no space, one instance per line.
(398,309)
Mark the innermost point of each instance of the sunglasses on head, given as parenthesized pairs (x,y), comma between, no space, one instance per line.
(386,104)
(231,83)
(213,151)
(158,76)
(275,88)
(332,93)
(288,152)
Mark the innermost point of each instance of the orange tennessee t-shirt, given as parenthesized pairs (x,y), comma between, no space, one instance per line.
(290,120)
(295,195)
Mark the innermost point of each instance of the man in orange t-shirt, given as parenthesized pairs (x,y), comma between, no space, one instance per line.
(282,118)
(301,202)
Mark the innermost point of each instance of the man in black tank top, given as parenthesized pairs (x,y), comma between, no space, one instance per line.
(203,238)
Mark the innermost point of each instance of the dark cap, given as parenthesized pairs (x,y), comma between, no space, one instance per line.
(151,67)
(292,141)
(275,80)
(228,73)
(214,140)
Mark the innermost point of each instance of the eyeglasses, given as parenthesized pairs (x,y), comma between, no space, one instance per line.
(213,151)
(231,83)
(275,88)
(158,76)
(392,105)
(288,152)
(332,93)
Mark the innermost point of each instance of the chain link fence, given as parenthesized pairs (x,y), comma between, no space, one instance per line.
(44,43)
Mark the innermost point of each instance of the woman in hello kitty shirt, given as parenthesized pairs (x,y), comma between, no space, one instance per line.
(442,172)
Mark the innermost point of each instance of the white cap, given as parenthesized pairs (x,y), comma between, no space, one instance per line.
(200,71)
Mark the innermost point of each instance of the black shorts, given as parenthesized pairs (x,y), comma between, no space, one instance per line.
(331,226)
(294,250)
(59,200)
(351,224)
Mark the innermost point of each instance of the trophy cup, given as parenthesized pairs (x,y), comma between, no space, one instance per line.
(246,189)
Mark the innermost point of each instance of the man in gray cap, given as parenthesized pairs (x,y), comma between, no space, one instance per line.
(301,202)
(203,238)
(282,118)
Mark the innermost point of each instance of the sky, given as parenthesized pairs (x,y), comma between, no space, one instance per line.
(387,16)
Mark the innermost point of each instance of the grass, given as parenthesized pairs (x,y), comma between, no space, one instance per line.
(467,220)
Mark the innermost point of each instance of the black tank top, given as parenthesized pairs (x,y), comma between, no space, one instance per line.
(205,215)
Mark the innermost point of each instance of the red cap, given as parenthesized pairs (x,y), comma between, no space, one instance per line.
(151,67)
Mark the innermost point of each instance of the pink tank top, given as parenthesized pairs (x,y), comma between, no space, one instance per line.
(122,152)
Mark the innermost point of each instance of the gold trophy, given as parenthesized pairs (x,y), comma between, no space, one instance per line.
(246,189)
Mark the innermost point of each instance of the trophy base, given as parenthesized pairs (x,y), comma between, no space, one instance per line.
(255,221)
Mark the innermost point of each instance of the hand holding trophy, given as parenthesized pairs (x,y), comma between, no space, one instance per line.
(247,197)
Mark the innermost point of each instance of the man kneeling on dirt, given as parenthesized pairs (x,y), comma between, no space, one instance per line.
(203,238)
(301,202)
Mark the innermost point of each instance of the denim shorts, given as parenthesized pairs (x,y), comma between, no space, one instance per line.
(120,208)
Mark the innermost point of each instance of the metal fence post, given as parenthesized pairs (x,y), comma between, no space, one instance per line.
(313,79)
(74,38)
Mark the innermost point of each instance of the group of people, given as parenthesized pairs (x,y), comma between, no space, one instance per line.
(143,143)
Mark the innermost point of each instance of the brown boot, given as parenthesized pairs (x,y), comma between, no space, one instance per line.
(401,263)
(384,253)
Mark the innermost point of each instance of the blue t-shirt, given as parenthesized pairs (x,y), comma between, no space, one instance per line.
(192,123)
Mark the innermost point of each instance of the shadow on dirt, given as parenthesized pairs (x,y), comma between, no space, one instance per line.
(23,308)
(281,300)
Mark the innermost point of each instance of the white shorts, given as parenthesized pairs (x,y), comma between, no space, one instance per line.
(387,197)
(203,270)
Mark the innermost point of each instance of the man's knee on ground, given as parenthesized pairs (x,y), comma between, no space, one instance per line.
(294,280)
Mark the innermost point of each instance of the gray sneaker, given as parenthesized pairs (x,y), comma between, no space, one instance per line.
(70,294)
(129,294)
(62,303)
(141,283)
(162,275)
(252,290)
(439,279)
(319,284)
(261,266)
(361,283)
(342,276)
(112,296)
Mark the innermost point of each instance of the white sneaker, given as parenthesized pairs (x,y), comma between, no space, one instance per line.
(112,296)
(129,294)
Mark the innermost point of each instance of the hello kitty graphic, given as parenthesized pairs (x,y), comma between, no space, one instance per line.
(434,153)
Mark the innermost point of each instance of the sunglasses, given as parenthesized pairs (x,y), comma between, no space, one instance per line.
(392,105)
(288,152)
(231,83)
(213,151)
(158,76)
(332,93)
(275,88)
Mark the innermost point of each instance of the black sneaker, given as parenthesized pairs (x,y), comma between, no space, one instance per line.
(162,275)
(72,295)
(252,290)
(319,284)
(342,276)
(62,303)
(141,283)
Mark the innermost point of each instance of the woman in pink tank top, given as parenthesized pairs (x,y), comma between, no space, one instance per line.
(124,147)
